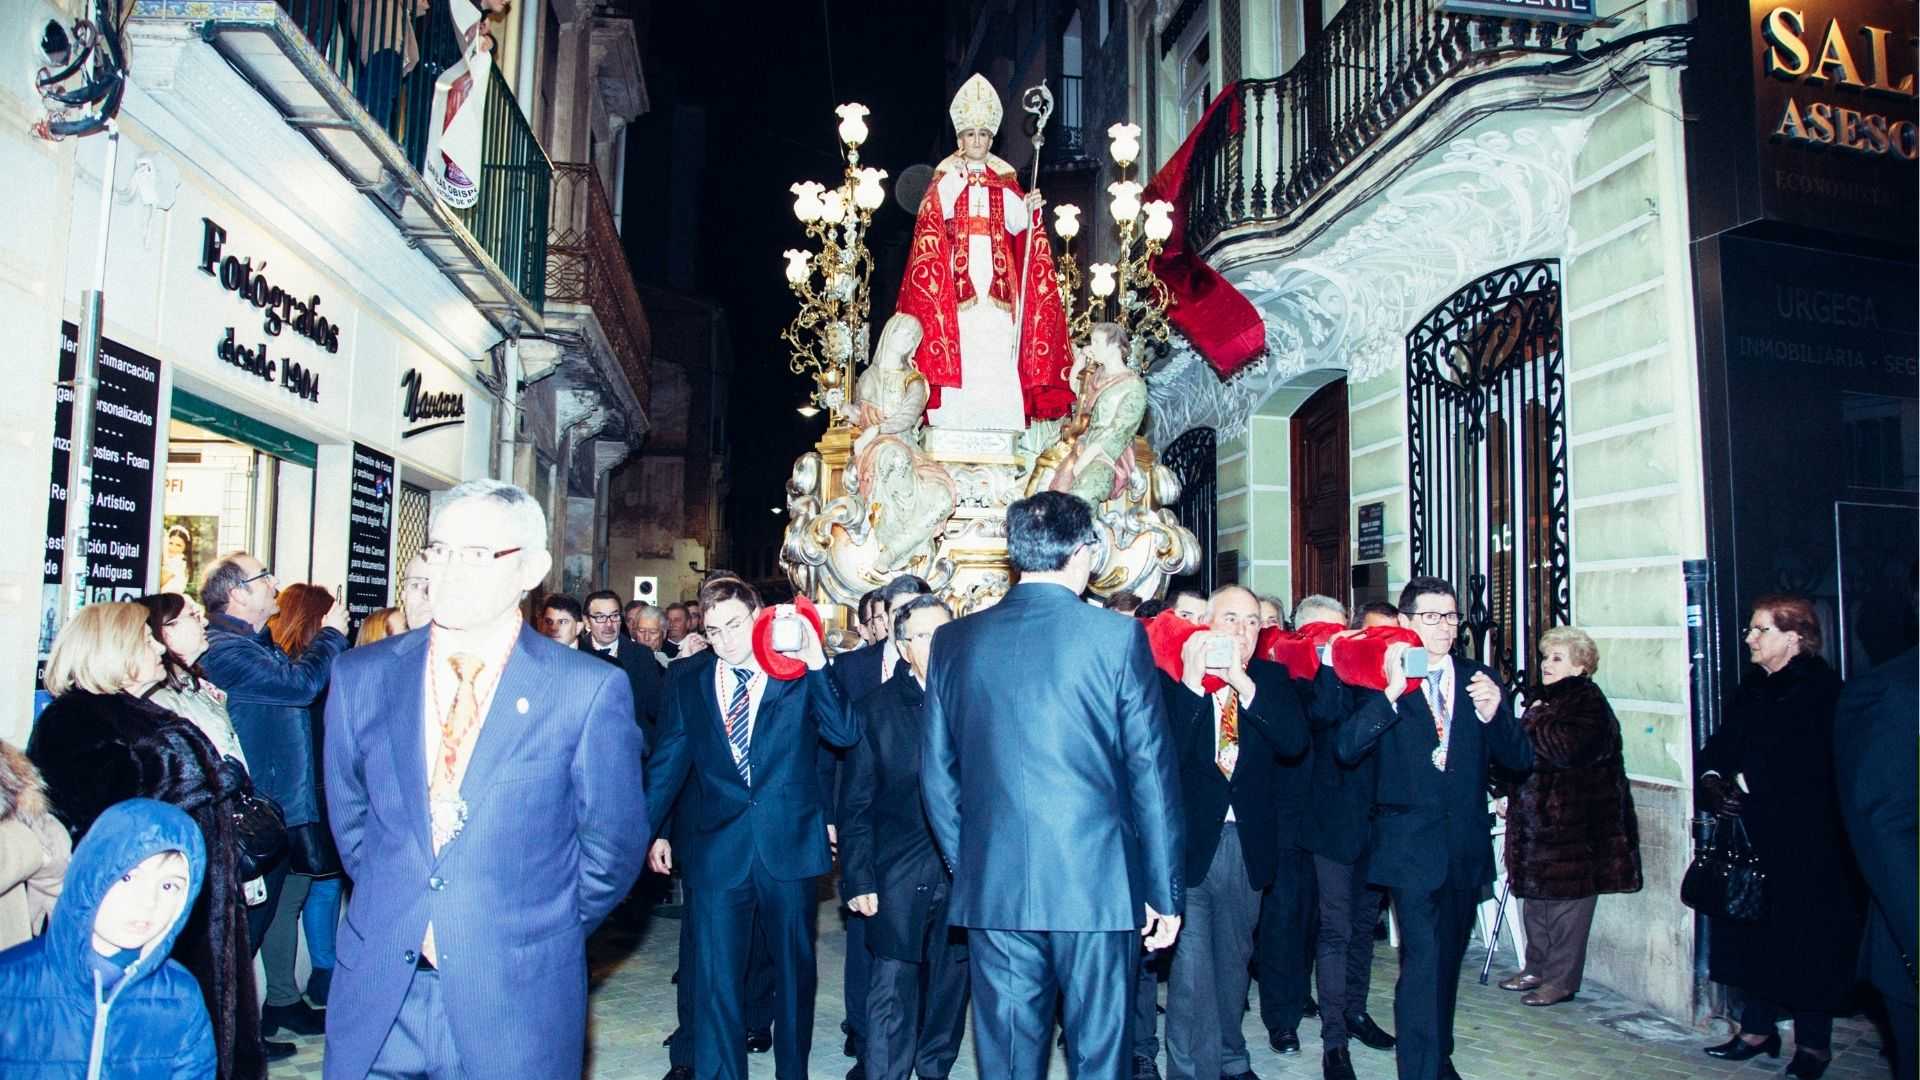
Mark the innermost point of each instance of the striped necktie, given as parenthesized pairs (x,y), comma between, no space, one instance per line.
(737,710)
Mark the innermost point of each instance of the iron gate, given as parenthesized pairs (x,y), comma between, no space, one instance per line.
(1487,460)
(1191,459)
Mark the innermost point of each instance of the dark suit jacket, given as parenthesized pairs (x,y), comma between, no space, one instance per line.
(644,676)
(1271,728)
(1047,767)
(1874,758)
(782,819)
(886,846)
(1430,827)
(555,836)
(858,672)
(1340,796)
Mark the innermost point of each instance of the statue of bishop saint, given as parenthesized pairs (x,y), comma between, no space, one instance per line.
(965,283)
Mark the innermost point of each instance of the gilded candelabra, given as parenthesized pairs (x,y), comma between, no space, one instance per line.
(1137,293)
(828,334)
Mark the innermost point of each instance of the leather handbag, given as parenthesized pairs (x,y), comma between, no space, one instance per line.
(260,832)
(1726,880)
(311,851)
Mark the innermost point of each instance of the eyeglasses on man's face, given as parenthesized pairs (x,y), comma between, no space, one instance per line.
(264,575)
(438,554)
(604,618)
(1437,618)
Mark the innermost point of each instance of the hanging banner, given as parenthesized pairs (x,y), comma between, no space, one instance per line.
(369,533)
(126,407)
(455,132)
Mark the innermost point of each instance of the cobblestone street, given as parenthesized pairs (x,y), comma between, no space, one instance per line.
(1598,1035)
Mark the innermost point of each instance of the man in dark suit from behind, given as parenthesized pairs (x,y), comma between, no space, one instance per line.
(1430,841)
(1339,803)
(744,747)
(1232,744)
(1875,748)
(891,874)
(1047,774)
(606,641)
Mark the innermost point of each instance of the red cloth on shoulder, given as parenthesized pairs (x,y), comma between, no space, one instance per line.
(779,665)
(1361,660)
(1297,651)
(1167,634)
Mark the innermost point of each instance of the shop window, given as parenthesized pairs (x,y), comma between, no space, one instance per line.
(222,495)
(1487,460)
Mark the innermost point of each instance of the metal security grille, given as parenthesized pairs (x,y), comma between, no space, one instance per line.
(1487,460)
(1191,460)
(409,531)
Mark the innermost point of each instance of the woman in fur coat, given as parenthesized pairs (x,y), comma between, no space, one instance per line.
(1571,830)
(34,847)
(100,743)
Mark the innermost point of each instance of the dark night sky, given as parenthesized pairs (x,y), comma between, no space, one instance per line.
(761,81)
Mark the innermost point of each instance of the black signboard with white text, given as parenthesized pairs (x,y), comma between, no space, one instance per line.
(369,533)
(126,407)
(1372,534)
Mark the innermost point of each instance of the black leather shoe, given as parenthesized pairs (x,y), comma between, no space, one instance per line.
(1284,1042)
(277,1051)
(858,1072)
(1739,1049)
(1248,1075)
(1311,1009)
(679,1072)
(1369,1033)
(298,1018)
(1145,1068)
(1447,1071)
(1807,1067)
(759,1042)
(850,1048)
(1336,1065)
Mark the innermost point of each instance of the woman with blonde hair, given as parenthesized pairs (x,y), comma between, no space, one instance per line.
(380,624)
(1571,830)
(101,742)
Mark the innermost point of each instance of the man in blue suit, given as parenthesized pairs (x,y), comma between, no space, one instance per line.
(1430,842)
(753,834)
(1048,774)
(480,786)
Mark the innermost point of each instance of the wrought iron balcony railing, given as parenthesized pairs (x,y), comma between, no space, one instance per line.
(1283,139)
(390,53)
(586,264)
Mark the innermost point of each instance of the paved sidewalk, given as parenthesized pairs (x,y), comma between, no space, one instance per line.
(1598,1035)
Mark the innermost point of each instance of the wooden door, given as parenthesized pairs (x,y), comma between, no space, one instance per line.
(1320,495)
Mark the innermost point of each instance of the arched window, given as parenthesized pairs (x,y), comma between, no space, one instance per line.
(1487,460)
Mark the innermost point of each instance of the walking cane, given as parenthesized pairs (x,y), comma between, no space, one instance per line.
(1038,100)
(1493,939)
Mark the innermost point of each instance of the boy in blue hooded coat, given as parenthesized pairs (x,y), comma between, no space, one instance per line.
(96,996)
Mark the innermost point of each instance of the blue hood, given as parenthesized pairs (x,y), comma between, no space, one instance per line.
(126,834)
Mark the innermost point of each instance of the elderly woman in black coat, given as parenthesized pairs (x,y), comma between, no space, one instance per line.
(1771,765)
(100,743)
(1571,829)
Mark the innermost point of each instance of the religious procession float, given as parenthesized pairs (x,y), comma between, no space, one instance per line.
(990,382)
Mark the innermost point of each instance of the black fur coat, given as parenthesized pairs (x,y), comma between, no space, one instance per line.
(1571,829)
(98,749)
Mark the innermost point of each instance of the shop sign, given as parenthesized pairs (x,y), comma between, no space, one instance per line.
(280,311)
(1834,111)
(126,407)
(1573,11)
(428,410)
(369,533)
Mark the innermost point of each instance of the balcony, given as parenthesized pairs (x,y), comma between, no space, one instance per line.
(587,266)
(357,79)
(1280,144)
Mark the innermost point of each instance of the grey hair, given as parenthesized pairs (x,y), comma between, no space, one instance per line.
(221,579)
(1331,610)
(530,521)
(921,602)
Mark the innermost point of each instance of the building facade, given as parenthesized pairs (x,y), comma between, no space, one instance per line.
(1505,345)
(300,342)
